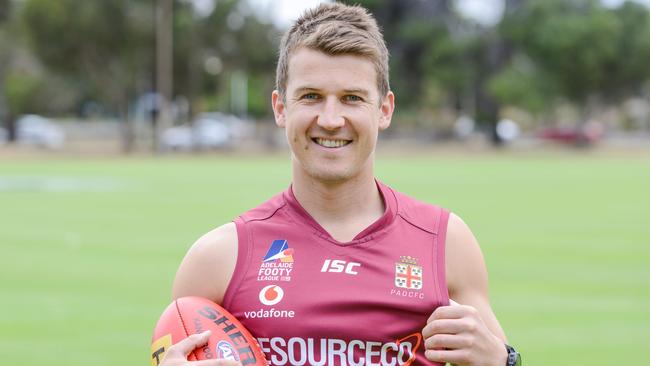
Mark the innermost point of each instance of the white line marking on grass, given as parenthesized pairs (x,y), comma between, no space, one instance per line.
(60,184)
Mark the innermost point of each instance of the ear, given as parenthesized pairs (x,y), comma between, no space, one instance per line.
(386,109)
(278,109)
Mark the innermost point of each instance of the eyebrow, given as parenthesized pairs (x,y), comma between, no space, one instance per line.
(304,89)
(308,89)
(363,92)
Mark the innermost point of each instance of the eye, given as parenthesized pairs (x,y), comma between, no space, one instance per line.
(352,98)
(310,96)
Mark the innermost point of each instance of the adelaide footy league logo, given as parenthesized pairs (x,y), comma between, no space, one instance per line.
(279,251)
(408,274)
(277,264)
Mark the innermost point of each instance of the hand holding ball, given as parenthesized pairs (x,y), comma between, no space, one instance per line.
(182,325)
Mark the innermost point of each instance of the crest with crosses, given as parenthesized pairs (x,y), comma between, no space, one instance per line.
(408,274)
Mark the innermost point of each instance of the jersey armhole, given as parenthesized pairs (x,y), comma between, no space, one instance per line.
(243,254)
(439,254)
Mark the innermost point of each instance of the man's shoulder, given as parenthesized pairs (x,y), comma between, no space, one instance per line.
(265,209)
(208,265)
(426,216)
(216,244)
(218,238)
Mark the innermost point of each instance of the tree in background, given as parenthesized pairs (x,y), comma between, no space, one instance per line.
(439,60)
(541,52)
(111,42)
(101,45)
(573,43)
(6,115)
(579,51)
(244,46)
(629,74)
(427,42)
(25,86)
(442,64)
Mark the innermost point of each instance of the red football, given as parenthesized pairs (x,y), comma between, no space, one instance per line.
(190,315)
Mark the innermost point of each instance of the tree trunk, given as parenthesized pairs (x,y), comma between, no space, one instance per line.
(487,108)
(494,57)
(164,69)
(9,120)
(128,128)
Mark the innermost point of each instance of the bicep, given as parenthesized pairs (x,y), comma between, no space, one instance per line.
(207,267)
(467,277)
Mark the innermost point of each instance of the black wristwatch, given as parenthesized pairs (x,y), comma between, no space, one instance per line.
(514,358)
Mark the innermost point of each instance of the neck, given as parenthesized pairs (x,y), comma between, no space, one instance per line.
(343,208)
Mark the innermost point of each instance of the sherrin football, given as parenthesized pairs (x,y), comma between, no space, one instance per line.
(189,315)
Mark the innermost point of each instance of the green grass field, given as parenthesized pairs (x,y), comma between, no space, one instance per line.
(90,247)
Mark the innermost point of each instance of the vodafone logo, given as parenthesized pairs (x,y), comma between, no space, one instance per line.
(271,295)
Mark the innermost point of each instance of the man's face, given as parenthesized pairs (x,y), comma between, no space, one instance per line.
(332,114)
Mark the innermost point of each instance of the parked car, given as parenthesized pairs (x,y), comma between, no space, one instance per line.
(211,133)
(208,131)
(39,131)
(239,128)
(583,135)
(178,138)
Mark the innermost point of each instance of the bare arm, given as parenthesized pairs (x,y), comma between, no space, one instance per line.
(467,332)
(208,266)
(467,276)
(205,271)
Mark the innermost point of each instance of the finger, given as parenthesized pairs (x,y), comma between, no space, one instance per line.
(444,326)
(446,341)
(449,312)
(188,344)
(455,356)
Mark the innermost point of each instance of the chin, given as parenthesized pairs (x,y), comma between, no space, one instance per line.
(328,174)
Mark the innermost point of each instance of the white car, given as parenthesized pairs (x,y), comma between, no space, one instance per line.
(208,131)
(177,138)
(203,135)
(39,131)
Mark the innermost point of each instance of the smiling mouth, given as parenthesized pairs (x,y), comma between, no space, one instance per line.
(331,143)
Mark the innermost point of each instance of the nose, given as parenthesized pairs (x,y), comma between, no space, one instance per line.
(330,117)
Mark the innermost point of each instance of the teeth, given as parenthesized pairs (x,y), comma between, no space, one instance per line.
(331,143)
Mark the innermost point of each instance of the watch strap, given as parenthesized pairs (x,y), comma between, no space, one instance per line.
(514,358)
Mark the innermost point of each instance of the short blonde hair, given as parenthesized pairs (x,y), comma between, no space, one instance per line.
(335,29)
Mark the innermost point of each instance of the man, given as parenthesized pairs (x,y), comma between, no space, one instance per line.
(340,269)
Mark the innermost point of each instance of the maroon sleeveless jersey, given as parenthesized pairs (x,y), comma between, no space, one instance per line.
(311,300)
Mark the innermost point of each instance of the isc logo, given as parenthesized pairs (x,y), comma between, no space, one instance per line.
(338,266)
